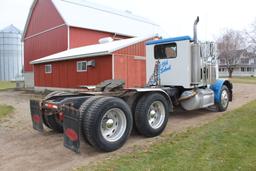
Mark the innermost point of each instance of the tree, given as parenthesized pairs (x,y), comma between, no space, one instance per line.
(229,46)
(250,35)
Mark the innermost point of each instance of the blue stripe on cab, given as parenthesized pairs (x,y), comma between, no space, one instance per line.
(168,40)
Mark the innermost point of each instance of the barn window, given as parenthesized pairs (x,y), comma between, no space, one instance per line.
(81,66)
(48,69)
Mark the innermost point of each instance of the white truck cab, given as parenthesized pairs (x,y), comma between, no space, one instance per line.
(190,65)
(182,62)
(174,55)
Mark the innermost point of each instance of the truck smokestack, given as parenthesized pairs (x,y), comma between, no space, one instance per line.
(195,30)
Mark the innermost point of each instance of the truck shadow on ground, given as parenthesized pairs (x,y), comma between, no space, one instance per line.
(182,114)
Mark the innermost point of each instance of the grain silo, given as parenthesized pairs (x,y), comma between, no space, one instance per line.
(11,54)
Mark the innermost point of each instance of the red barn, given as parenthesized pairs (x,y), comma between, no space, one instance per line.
(89,65)
(55,26)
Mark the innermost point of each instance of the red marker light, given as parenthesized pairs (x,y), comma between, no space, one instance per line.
(71,134)
(36,119)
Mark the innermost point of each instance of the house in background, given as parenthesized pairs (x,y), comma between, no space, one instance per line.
(55,26)
(244,64)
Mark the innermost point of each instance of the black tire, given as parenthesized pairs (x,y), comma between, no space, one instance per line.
(94,118)
(222,106)
(142,113)
(45,121)
(83,112)
(51,121)
(54,123)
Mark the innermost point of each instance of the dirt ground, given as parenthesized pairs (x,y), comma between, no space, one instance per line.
(22,148)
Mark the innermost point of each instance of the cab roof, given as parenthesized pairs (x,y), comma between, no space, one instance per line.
(169,40)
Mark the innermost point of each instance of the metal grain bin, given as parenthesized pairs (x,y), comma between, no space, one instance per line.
(11,54)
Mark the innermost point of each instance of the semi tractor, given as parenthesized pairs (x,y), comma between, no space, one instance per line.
(181,72)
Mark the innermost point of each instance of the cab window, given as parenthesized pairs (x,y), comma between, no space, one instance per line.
(166,51)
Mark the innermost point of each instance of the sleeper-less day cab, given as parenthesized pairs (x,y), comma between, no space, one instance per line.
(181,72)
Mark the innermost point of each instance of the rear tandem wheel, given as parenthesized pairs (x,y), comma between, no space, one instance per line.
(107,123)
(151,114)
(83,112)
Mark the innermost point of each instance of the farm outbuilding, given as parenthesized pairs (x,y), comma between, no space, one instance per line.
(55,26)
(89,65)
(11,54)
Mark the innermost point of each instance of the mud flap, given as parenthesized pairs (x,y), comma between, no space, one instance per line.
(36,115)
(71,125)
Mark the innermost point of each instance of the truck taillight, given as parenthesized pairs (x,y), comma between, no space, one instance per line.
(51,106)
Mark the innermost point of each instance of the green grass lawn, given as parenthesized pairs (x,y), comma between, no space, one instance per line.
(227,144)
(245,80)
(5,110)
(6,85)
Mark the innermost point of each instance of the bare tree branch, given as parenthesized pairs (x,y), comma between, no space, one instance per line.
(229,46)
(250,35)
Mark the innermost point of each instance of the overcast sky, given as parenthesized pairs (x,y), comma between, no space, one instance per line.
(176,17)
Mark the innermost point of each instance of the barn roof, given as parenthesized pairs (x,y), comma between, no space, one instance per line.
(91,50)
(84,14)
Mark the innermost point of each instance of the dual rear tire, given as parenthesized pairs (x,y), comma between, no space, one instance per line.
(151,114)
(106,122)
(54,123)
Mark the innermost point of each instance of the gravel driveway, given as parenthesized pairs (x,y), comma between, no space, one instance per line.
(22,148)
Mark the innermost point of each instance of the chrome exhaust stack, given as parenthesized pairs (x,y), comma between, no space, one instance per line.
(195,30)
(196,64)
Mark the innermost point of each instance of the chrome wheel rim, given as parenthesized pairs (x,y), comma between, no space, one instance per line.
(113,125)
(224,98)
(156,114)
